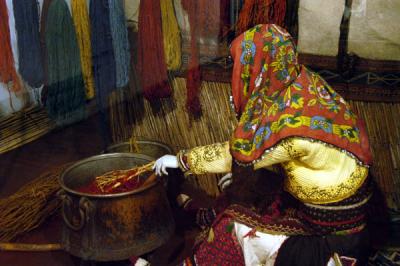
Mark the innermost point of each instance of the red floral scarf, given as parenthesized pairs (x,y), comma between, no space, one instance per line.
(278,98)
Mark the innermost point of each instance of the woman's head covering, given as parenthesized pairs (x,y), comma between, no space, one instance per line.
(277,98)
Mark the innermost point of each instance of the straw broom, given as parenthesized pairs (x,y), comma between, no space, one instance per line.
(117,178)
(30,205)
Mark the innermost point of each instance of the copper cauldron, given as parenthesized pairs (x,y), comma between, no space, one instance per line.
(112,226)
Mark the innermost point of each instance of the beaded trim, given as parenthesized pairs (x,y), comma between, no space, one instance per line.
(350,231)
(262,157)
(181,162)
(344,207)
(232,105)
(186,203)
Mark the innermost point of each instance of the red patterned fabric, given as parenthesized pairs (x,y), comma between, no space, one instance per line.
(220,245)
(279,98)
(221,249)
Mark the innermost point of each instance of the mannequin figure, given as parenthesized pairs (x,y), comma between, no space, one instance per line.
(294,123)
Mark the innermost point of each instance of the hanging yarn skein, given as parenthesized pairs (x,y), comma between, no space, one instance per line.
(43,21)
(80,15)
(151,65)
(225,24)
(277,16)
(204,19)
(172,36)
(120,42)
(26,15)
(193,78)
(8,74)
(104,68)
(66,94)
(256,12)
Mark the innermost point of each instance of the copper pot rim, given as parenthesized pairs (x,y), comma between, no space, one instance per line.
(139,141)
(105,156)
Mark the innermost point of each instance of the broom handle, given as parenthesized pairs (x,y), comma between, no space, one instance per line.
(150,180)
(146,166)
(29,247)
(140,169)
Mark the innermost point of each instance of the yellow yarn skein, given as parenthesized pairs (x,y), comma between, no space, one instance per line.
(172,36)
(81,21)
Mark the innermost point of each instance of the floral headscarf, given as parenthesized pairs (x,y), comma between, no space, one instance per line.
(278,98)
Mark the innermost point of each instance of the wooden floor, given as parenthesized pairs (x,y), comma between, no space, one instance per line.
(56,148)
(69,144)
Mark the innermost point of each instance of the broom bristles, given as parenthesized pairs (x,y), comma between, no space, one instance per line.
(30,205)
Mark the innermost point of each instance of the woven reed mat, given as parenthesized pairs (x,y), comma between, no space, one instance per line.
(23,127)
(173,126)
(384,134)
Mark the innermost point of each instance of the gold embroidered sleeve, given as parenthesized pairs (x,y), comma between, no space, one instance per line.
(285,151)
(214,158)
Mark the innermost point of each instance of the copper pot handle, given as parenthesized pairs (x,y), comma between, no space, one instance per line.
(84,207)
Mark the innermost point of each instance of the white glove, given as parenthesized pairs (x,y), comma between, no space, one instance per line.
(166,161)
(140,262)
(225,181)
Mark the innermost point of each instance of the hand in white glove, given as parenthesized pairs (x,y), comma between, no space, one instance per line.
(166,161)
(225,181)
